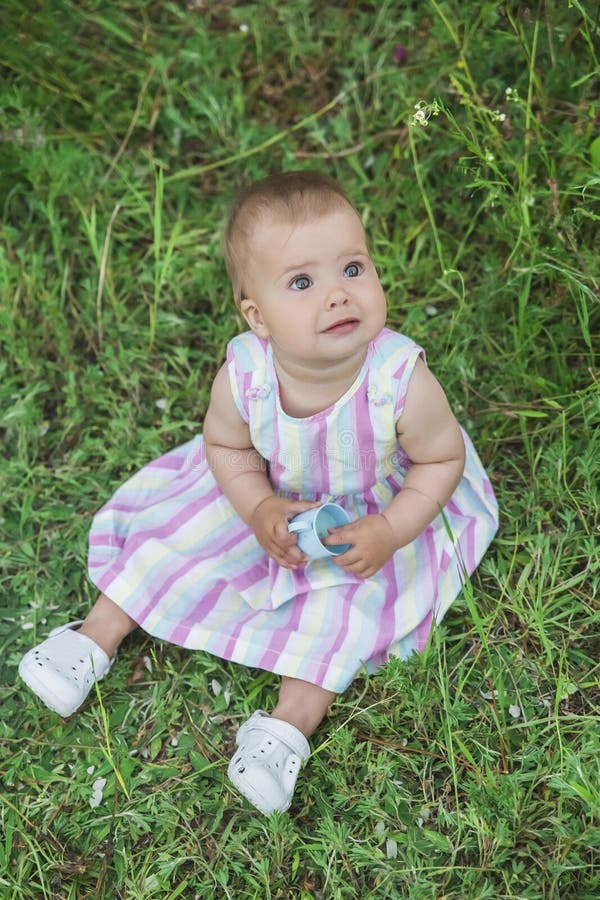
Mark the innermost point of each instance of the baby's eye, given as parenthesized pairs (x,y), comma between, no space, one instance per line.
(301,283)
(352,270)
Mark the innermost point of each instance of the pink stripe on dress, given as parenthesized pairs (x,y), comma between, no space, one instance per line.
(209,601)
(158,532)
(180,485)
(107,539)
(386,627)
(432,557)
(469,539)
(422,632)
(253,575)
(280,637)
(342,632)
(161,589)
(169,461)
(319,474)
(225,644)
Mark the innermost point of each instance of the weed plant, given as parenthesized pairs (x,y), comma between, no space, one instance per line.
(463,132)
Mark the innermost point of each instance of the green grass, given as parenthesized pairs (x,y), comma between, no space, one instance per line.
(471,771)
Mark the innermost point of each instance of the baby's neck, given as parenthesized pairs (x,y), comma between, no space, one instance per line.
(306,390)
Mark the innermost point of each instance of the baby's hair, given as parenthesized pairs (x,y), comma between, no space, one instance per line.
(293,197)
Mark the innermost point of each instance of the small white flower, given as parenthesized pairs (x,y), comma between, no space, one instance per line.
(424,816)
(421,114)
(391,849)
(502,117)
(490,157)
(97,789)
(26,626)
(508,91)
(424,111)
(430,309)
(90,770)
(421,117)
(244,28)
(515,711)
(174,741)
(162,403)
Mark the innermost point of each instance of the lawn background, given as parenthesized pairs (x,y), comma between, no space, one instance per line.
(463,131)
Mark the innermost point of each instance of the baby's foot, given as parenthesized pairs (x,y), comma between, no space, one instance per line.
(265,766)
(63,669)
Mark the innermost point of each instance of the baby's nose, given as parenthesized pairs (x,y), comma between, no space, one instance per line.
(337,295)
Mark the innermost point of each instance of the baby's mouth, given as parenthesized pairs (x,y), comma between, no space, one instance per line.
(342,326)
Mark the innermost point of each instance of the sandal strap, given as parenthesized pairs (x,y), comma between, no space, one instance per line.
(69,626)
(72,643)
(284,732)
(102,662)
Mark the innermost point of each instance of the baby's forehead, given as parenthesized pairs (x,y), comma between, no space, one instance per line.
(283,222)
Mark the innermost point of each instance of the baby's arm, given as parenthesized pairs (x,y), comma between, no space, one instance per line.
(431,437)
(241,473)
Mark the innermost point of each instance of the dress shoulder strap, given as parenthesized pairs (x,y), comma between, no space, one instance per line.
(392,364)
(247,367)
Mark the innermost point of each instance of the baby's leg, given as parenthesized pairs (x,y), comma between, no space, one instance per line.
(302,704)
(63,669)
(107,625)
(271,749)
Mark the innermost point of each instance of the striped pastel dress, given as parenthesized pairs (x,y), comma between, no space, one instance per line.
(171,551)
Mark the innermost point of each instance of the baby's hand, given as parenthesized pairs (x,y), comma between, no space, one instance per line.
(373,543)
(269,521)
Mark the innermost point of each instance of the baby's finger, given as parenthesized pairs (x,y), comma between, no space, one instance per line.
(343,534)
(283,536)
(350,558)
(297,506)
(360,568)
(292,550)
(289,552)
(287,560)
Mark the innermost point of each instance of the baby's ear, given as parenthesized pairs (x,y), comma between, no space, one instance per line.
(253,316)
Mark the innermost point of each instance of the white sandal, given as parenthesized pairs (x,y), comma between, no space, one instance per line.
(63,669)
(265,767)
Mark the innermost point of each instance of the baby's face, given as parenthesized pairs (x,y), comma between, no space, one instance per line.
(312,288)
